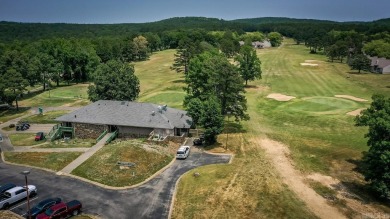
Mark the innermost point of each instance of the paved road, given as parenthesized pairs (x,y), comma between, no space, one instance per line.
(151,200)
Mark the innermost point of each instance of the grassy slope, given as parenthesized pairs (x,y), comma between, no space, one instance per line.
(75,95)
(47,117)
(321,136)
(159,84)
(102,167)
(53,161)
(24,139)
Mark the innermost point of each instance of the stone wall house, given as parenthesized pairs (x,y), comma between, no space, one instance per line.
(380,65)
(129,119)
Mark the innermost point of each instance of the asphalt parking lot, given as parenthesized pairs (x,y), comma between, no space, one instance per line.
(150,200)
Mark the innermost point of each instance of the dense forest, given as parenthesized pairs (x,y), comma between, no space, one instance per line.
(39,53)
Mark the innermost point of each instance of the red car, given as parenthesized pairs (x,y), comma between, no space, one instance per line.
(61,210)
(39,136)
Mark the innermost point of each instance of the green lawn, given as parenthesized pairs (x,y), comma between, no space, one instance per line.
(52,161)
(74,95)
(24,139)
(321,137)
(46,117)
(102,168)
(159,84)
(6,115)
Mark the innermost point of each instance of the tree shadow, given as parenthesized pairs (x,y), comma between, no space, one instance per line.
(179,81)
(356,73)
(361,191)
(232,127)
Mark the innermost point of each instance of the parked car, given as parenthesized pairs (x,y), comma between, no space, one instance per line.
(197,141)
(183,152)
(61,210)
(201,137)
(22,125)
(39,136)
(6,187)
(42,206)
(16,194)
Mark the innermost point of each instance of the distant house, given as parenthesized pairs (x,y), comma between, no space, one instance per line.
(129,119)
(380,65)
(258,44)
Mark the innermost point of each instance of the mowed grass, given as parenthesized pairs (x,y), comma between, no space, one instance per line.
(6,115)
(46,117)
(73,95)
(49,160)
(321,137)
(159,84)
(102,167)
(247,188)
(24,139)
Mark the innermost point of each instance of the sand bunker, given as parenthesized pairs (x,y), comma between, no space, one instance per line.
(280,97)
(309,64)
(356,112)
(351,98)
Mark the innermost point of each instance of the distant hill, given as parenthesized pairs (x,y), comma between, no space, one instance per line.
(266,20)
(10,31)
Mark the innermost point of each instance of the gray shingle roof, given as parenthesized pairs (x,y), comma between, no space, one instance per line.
(126,113)
(379,62)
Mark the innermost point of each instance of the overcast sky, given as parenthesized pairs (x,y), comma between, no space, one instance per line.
(137,11)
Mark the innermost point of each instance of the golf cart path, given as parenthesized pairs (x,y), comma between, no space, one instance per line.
(278,154)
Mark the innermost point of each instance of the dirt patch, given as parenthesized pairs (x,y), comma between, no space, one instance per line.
(280,97)
(356,112)
(351,98)
(352,201)
(9,215)
(309,64)
(278,154)
(256,88)
(325,180)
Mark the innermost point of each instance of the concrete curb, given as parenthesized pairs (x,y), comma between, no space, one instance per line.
(119,188)
(178,181)
(231,155)
(174,195)
(90,181)
(24,165)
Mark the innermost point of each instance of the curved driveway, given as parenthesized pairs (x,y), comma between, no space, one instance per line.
(150,200)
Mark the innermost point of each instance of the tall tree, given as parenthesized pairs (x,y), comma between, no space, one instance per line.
(377,159)
(275,38)
(249,64)
(114,80)
(360,62)
(15,84)
(211,120)
(186,50)
(140,47)
(211,74)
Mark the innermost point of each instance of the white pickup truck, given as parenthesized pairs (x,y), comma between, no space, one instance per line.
(16,194)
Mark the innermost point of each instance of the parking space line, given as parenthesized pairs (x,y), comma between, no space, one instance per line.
(31,199)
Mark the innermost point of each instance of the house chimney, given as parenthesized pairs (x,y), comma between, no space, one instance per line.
(75,116)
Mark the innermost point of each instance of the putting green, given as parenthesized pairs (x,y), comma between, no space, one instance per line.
(323,105)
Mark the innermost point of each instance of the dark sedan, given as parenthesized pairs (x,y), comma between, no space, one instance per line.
(42,206)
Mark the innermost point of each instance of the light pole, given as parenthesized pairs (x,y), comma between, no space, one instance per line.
(227,133)
(25,173)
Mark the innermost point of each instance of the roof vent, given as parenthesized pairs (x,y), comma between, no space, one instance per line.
(165,107)
(75,116)
(153,113)
(160,109)
(123,103)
